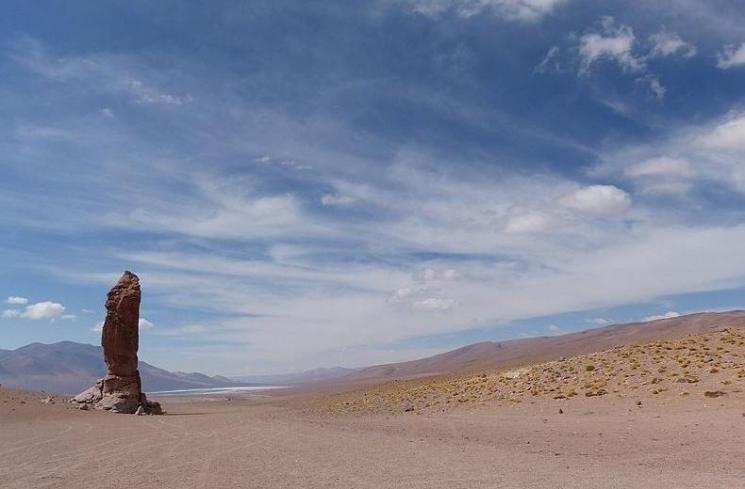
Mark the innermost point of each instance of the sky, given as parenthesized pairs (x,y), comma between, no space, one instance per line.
(305,184)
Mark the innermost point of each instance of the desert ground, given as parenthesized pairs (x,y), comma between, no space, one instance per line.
(664,414)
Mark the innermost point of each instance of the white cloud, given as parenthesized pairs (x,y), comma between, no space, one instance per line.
(670,44)
(530,221)
(612,43)
(618,44)
(657,89)
(555,330)
(599,321)
(145,94)
(701,156)
(144,325)
(599,200)
(550,61)
(729,135)
(16,300)
(43,310)
(667,315)
(40,310)
(520,10)
(731,56)
(662,166)
(434,304)
(187,331)
(663,175)
(431,275)
(101,72)
(336,200)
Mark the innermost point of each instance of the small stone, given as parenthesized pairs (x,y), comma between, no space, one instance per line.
(47,400)
(561,411)
(715,394)
(83,407)
(140,411)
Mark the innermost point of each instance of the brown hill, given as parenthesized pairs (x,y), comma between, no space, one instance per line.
(496,355)
(703,367)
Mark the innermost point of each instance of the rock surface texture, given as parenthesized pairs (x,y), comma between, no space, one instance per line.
(120,391)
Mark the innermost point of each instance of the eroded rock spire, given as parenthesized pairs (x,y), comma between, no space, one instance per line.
(121,389)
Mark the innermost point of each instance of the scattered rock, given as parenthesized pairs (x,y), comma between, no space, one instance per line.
(715,394)
(561,411)
(47,400)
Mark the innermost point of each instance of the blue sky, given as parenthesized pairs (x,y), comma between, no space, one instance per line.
(318,183)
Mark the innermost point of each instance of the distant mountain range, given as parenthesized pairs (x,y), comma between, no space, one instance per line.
(69,368)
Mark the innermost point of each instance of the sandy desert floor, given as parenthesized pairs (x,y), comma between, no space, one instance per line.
(597,442)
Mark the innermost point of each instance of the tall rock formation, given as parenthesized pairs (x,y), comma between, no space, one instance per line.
(121,390)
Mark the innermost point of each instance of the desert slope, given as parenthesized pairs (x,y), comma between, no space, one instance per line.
(492,355)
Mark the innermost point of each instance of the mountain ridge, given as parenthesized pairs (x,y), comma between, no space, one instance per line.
(517,352)
(67,367)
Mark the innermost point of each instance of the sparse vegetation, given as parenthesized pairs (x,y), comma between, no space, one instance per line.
(704,363)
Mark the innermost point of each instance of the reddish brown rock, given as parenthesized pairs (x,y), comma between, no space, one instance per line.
(121,390)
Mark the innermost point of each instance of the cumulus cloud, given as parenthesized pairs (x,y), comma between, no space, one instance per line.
(11,313)
(43,310)
(599,200)
(670,44)
(15,300)
(729,135)
(657,317)
(731,56)
(520,10)
(613,43)
(618,44)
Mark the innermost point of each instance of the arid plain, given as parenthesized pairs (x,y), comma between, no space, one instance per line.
(666,413)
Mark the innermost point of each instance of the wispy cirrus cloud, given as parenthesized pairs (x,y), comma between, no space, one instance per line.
(519,10)
(294,201)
